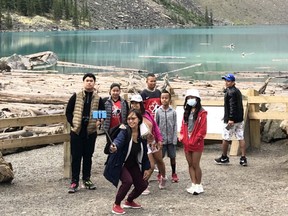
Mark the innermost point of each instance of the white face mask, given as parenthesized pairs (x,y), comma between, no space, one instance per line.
(192,102)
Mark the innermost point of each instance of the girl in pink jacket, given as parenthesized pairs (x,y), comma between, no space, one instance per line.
(192,133)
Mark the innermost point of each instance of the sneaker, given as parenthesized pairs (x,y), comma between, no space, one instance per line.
(118,210)
(73,187)
(191,189)
(243,161)
(156,168)
(162,183)
(88,184)
(132,205)
(175,178)
(199,188)
(159,177)
(195,189)
(222,160)
(146,191)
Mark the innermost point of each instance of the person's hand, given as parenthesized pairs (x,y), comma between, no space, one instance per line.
(150,138)
(98,123)
(147,174)
(230,122)
(159,145)
(113,148)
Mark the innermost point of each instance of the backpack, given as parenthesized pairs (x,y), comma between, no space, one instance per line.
(112,134)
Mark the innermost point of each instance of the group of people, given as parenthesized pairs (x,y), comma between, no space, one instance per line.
(148,130)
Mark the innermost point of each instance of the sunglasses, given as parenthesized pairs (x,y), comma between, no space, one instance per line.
(131,118)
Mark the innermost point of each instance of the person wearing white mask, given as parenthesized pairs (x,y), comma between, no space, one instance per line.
(192,133)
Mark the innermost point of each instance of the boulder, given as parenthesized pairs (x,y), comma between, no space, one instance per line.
(6,171)
(272,131)
(284,126)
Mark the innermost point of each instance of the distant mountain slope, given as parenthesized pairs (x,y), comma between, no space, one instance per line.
(247,11)
(114,14)
(155,13)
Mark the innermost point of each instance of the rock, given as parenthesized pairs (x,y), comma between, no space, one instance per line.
(272,131)
(284,126)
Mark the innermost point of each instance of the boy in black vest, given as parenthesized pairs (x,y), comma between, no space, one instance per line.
(83,130)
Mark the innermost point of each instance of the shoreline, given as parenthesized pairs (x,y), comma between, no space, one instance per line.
(22,91)
(53,83)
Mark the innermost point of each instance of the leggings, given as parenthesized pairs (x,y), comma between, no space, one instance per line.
(129,176)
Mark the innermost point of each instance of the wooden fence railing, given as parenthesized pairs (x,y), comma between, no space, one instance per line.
(12,143)
(252,118)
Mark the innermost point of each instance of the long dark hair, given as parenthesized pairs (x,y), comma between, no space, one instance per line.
(187,110)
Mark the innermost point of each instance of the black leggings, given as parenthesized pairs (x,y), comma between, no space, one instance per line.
(82,148)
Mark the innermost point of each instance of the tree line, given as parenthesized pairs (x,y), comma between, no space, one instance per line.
(55,9)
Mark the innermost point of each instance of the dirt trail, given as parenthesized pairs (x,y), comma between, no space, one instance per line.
(259,189)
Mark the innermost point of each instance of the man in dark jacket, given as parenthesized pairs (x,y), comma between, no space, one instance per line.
(233,120)
(83,130)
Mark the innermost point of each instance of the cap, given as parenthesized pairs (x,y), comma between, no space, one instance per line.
(229,77)
(136,98)
(192,92)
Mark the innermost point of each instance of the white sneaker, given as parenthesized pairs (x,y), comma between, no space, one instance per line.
(199,188)
(146,191)
(191,189)
(162,183)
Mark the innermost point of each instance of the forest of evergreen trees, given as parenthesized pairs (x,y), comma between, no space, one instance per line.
(53,9)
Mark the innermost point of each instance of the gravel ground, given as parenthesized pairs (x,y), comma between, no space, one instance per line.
(259,189)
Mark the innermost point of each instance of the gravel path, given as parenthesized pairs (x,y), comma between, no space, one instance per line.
(259,189)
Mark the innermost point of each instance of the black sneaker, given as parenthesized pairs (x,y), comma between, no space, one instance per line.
(89,184)
(222,160)
(73,187)
(243,161)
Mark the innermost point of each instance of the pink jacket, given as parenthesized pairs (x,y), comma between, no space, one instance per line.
(196,140)
(155,129)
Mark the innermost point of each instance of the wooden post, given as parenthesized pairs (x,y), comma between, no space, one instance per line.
(234,149)
(254,124)
(67,154)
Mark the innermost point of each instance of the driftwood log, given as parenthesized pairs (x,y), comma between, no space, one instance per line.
(262,90)
(32,99)
(33,131)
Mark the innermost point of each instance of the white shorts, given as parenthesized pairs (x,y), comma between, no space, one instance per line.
(151,149)
(237,130)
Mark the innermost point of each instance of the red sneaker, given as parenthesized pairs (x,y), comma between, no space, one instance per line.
(132,205)
(159,177)
(175,178)
(118,210)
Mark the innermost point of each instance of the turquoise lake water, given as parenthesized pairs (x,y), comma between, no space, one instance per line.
(197,52)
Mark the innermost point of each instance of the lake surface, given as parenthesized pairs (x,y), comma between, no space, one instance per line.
(199,53)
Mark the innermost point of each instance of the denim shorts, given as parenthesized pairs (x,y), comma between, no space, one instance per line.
(170,149)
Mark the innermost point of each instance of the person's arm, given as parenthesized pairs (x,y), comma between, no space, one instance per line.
(181,134)
(157,118)
(175,127)
(232,105)
(101,105)
(156,131)
(203,126)
(70,109)
(145,162)
(120,139)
